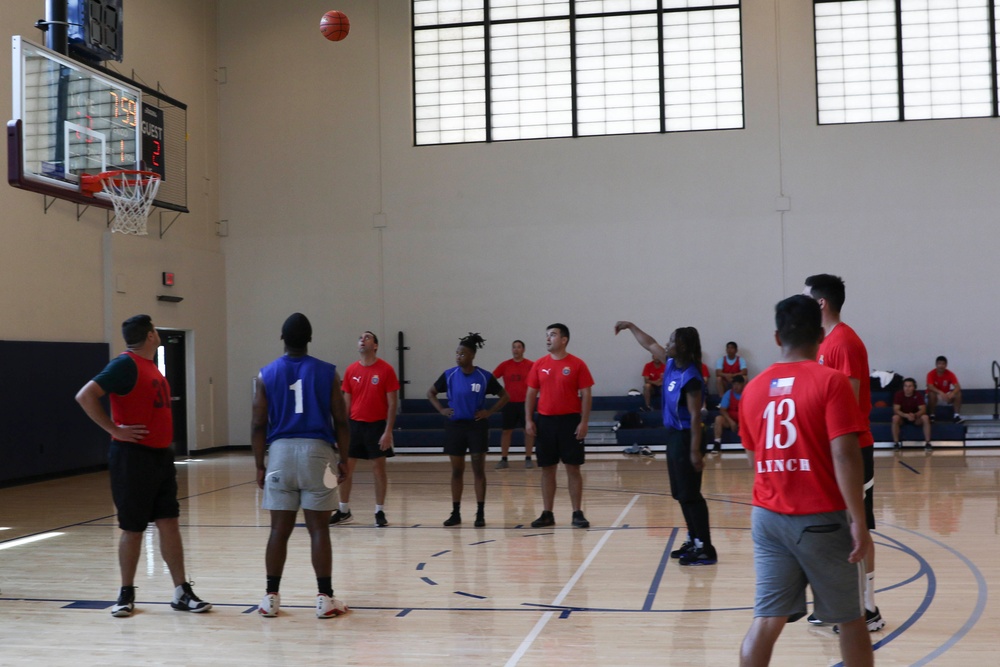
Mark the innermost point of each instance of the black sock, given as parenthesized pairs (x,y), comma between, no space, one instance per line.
(479,508)
(273,584)
(325,585)
(527,458)
(503,458)
(456,507)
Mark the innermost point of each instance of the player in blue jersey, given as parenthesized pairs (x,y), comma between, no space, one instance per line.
(468,428)
(297,408)
(683,395)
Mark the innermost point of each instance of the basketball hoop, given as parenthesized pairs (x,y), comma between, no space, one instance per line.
(132,194)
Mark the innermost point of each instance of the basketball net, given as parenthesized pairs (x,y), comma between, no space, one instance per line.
(132,194)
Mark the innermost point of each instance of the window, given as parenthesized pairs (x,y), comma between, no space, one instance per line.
(891,60)
(500,70)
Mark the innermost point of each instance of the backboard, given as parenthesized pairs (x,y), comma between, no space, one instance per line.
(71,119)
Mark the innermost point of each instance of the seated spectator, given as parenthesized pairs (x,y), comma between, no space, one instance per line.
(943,387)
(729,412)
(728,367)
(908,407)
(652,382)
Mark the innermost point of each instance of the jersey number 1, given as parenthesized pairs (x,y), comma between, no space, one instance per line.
(297,390)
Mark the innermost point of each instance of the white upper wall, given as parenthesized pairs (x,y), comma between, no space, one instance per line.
(666,230)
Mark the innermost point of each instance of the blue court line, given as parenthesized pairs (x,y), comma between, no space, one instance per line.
(420,566)
(537,534)
(909,467)
(483,542)
(440,553)
(520,525)
(470,595)
(403,613)
(977,612)
(428,580)
(654,586)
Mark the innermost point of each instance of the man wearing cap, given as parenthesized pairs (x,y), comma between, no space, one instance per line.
(295,397)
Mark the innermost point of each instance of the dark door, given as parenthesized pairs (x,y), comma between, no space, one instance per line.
(174,367)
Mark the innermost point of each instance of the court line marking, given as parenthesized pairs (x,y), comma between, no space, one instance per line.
(654,586)
(547,616)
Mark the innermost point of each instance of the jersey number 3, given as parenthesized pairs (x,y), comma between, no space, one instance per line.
(782,434)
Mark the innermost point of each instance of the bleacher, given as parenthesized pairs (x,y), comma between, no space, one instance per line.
(420,429)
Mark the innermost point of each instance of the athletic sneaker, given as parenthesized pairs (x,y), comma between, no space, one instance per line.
(957,418)
(632,449)
(704,556)
(677,553)
(340,518)
(480,521)
(544,521)
(873,619)
(899,445)
(815,621)
(502,465)
(580,521)
(186,600)
(646,451)
(380,520)
(716,447)
(454,519)
(328,607)
(126,603)
(528,463)
(269,605)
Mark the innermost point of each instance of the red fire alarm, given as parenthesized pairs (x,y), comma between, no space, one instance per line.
(168,279)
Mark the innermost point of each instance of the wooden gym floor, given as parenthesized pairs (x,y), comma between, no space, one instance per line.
(506,594)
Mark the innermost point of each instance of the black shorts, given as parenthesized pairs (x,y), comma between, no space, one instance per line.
(364,440)
(556,440)
(466,436)
(143,484)
(513,416)
(868,458)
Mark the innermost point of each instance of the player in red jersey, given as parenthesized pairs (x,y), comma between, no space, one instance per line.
(564,382)
(801,436)
(140,461)
(514,374)
(843,350)
(371,391)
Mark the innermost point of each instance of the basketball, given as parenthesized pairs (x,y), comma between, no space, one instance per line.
(334,25)
(881,404)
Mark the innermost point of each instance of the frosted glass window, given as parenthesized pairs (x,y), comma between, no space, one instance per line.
(928,59)
(501,70)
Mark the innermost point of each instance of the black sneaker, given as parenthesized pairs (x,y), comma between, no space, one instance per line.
(340,518)
(873,619)
(454,519)
(580,521)
(677,553)
(480,521)
(126,603)
(957,419)
(380,520)
(186,600)
(813,620)
(544,521)
(928,446)
(704,556)
(716,447)
(899,445)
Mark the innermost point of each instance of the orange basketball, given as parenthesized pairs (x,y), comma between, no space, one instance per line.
(881,404)
(334,25)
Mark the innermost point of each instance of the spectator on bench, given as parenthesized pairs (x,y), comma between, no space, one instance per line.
(942,385)
(652,382)
(728,367)
(729,412)
(908,407)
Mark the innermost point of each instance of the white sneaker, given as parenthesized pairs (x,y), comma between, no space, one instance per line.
(327,607)
(269,605)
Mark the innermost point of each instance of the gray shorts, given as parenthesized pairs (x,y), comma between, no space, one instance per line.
(300,473)
(791,551)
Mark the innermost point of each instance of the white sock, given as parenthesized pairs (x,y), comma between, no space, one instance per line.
(698,544)
(870,591)
(379,508)
(345,508)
